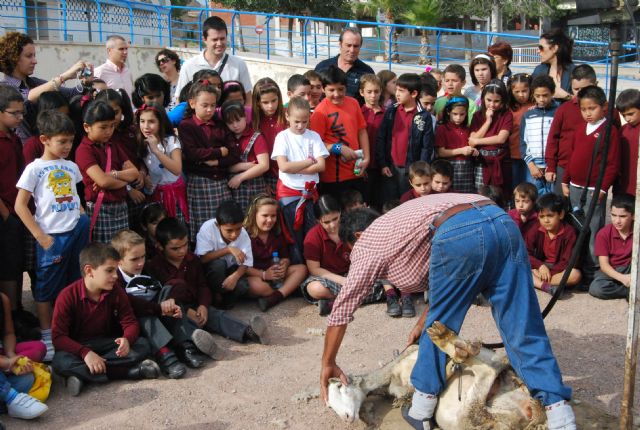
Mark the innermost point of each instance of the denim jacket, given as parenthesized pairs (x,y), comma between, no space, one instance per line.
(421,138)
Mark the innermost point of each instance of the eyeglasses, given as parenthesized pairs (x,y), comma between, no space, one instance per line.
(16,113)
(163,60)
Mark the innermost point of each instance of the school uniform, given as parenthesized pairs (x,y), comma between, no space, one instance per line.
(534,130)
(409,195)
(250,144)
(530,223)
(206,185)
(374,176)
(269,127)
(318,246)
(451,136)
(630,135)
(125,140)
(81,325)
(189,289)
(11,229)
(610,244)
(553,253)
(112,214)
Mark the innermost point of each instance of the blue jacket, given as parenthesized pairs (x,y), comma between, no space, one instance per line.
(565,79)
(534,131)
(421,138)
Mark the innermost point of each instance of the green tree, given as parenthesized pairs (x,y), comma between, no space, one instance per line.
(391,10)
(424,13)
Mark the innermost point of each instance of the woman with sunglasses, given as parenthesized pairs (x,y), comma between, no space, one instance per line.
(168,62)
(555,55)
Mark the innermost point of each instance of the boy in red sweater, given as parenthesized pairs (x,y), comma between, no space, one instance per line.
(628,104)
(94,330)
(420,175)
(524,213)
(566,121)
(593,106)
(549,246)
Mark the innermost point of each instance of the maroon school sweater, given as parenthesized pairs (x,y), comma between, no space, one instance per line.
(534,240)
(189,285)
(629,157)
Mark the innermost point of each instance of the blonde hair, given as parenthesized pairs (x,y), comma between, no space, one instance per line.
(371,79)
(124,240)
(250,220)
(419,168)
(266,86)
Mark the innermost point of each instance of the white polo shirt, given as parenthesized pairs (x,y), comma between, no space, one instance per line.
(210,239)
(235,70)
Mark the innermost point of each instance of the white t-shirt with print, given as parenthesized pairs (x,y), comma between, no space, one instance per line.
(159,174)
(298,147)
(209,239)
(53,185)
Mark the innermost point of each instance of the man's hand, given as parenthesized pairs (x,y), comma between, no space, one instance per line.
(550,176)
(386,172)
(237,254)
(170,309)
(326,373)
(123,347)
(415,333)
(96,364)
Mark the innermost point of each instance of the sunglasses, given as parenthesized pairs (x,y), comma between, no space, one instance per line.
(163,60)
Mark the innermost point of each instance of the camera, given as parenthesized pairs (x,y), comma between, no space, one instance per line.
(86,72)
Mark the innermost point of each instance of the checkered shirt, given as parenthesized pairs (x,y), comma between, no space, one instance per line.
(396,247)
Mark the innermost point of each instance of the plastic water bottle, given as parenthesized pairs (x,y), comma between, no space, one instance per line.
(357,170)
(275,261)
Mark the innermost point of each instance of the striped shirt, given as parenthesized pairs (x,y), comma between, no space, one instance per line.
(396,247)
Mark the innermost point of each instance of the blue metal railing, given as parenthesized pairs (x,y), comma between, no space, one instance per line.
(311,38)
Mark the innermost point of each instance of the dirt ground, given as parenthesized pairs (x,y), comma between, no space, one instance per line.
(252,386)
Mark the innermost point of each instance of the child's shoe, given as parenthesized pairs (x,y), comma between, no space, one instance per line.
(26,407)
(325,306)
(147,369)
(393,306)
(189,354)
(74,385)
(265,303)
(408,311)
(203,340)
(257,330)
(170,365)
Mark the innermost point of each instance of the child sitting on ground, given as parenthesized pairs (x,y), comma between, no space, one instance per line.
(441,176)
(550,245)
(94,330)
(270,282)
(327,259)
(614,244)
(181,269)
(420,175)
(16,381)
(224,248)
(161,319)
(524,213)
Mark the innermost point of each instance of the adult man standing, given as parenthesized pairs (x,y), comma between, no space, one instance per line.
(350,42)
(463,245)
(114,71)
(230,67)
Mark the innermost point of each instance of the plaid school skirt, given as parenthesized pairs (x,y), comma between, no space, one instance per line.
(246,192)
(463,176)
(29,254)
(112,218)
(204,195)
(376,294)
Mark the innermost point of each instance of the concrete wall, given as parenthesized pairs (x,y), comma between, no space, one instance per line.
(54,58)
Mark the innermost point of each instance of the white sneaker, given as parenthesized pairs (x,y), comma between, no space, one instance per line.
(50,353)
(560,416)
(204,341)
(26,407)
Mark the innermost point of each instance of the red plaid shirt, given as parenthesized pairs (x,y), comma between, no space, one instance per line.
(396,247)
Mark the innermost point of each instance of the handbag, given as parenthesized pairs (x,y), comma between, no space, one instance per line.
(577,217)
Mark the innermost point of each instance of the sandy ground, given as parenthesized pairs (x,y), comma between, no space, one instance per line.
(252,386)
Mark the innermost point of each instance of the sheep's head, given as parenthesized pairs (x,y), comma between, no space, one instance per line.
(345,400)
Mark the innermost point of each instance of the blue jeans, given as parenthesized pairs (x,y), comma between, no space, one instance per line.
(476,251)
(541,184)
(22,383)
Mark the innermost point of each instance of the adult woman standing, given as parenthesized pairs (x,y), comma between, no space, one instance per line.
(168,63)
(555,55)
(502,54)
(18,61)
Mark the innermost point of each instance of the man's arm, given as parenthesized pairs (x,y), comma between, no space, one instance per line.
(329,369)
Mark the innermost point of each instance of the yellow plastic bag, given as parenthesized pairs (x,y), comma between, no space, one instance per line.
(42,384)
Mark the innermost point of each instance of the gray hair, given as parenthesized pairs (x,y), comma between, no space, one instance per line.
(112,39)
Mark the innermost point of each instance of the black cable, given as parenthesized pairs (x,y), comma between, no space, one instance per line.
(615,47)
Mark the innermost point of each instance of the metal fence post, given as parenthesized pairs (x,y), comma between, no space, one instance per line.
(63,3)
(200,30)
(233,33)
(266,23)
(304,38)
(315,39)
(390,53)
(170,27)
(25,17)
(438,37)
(131,37)
(99,10)
(159,25)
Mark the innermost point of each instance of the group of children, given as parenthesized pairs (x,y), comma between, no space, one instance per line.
(175,215)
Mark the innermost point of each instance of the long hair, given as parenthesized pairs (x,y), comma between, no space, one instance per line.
(259,201)
(266,86)
(165,129)
(495,86)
